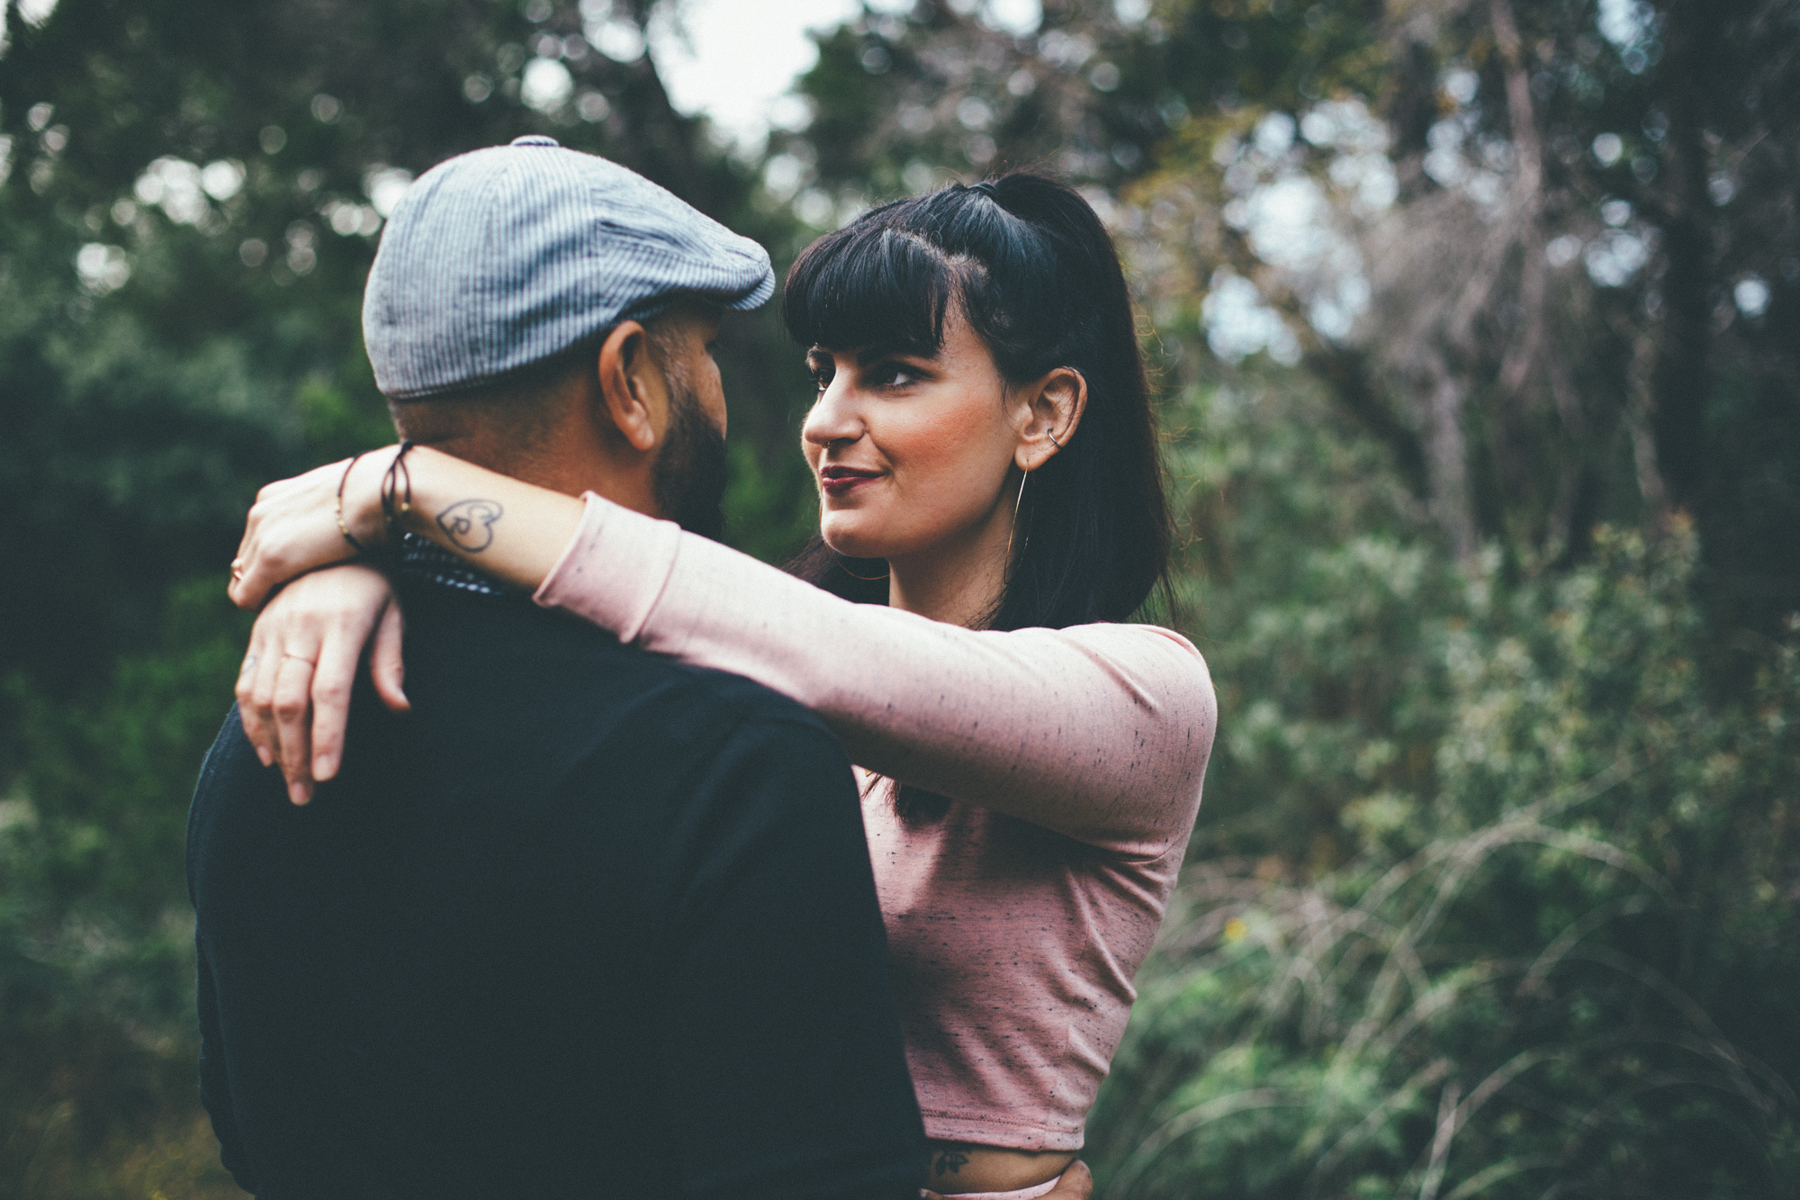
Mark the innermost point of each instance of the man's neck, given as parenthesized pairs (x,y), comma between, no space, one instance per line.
(569,469)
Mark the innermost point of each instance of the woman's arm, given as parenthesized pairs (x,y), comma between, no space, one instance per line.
(294,687)
(507,528)
(1100,732)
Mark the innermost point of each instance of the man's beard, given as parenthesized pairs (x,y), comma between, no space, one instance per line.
(688,480)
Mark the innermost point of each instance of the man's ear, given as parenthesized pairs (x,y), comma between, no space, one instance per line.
(633,393)
(1049,410)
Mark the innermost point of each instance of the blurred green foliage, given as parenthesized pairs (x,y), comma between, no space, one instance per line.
(1487,529)
(96,1049)
(1496,894)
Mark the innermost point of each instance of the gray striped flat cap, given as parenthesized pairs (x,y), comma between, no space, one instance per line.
(500,258)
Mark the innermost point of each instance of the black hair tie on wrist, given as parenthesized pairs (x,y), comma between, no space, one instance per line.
(394,502)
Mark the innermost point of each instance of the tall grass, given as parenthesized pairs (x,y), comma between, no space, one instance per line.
(1560,958)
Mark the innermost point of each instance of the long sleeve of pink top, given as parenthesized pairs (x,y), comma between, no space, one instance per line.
(1073,758)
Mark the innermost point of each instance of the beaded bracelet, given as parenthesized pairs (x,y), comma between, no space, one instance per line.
(343,528)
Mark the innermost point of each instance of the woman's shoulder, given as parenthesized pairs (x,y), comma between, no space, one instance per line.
(1147,641)
(1159,669)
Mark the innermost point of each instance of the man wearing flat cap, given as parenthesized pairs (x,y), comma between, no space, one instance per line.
(586,922)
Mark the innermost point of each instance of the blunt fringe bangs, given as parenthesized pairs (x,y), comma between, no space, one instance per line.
(1036,275)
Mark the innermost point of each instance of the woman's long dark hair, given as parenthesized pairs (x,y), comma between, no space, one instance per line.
(1037,277)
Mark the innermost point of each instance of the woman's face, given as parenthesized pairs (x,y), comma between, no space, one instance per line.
(912,454)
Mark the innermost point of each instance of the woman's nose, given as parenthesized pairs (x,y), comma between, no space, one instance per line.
(834,417)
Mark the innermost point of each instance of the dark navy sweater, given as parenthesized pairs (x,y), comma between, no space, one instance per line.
(586,922)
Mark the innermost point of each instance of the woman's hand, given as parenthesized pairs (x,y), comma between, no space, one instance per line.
(293,526)
(294,688)
(1077,1183)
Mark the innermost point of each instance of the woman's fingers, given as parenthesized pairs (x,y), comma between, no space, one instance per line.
(354,606)
(292,528)
(386,664)
(308,643)
(249,715)
(332,681)
(261,707)
(1077,1183)
(293,720)
(295,685)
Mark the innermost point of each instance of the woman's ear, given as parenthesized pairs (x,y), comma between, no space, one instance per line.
(633,395)
(1051,409)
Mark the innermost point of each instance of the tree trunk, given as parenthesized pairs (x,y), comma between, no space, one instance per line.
(1523,358)
(1447,457)
(1678,382)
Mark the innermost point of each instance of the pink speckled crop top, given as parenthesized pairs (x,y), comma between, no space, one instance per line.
(1073,759)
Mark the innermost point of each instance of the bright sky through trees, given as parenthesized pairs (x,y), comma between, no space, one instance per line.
(734,60)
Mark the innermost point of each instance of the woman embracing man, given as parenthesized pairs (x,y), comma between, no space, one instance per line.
(991,515)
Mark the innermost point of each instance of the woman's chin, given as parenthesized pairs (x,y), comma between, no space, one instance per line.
(843,533)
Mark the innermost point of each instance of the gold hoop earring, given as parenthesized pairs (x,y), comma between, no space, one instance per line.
(839,559)
(1017,504)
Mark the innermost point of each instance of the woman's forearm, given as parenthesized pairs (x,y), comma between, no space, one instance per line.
(1101,732)
(503,526)
(506,527)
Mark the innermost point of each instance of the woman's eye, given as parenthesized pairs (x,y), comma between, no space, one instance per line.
(892,375)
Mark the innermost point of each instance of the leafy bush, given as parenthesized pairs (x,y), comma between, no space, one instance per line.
(98,1090)
(1563,954)
(1307,572)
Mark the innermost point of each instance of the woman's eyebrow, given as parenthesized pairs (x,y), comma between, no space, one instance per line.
(873,354)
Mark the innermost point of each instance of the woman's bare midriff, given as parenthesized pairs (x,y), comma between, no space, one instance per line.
(958,1167)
